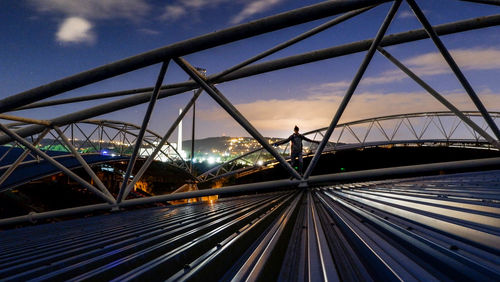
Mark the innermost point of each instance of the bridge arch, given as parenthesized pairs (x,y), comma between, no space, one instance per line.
(427,128)
(98,141)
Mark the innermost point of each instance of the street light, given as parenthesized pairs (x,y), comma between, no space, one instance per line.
(203,72)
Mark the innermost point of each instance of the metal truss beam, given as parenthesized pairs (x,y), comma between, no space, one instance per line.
(234,113)
(319,180)
(57,164)
(350,91)
(251,70)
(84,164)
(222,171)
(263,186)
(232,34)
(305,58)
(440,98)
(453,65)
(21,158)
(292,41)
(167,135)
(145,122)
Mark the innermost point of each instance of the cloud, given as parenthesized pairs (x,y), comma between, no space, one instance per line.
(328,90)
(428,64)
(276,117)
(94,9)
(75,30)
(253,8)
(149,31)
(468,59)
(80,16)
(406,14)
(180,9)
(173,12)
(321,102)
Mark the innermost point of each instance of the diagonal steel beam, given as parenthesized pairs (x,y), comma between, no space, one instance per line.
(317,55)
(453,65)
(158,148)
(145,122)
(232,34)
(21,158)
(292,41)
(84,164)
(55,163)
(440,98)
(305,58)
(352,87)
(234,113)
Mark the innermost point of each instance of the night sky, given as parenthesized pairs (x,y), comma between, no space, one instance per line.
(46,40)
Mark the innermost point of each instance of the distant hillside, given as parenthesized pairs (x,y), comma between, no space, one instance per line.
(223,143)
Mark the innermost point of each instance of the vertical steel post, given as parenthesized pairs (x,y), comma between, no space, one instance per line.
(145,122)
(151,158)
(234,113)
(352,87)
(192,138)
(440,98)
(453,65)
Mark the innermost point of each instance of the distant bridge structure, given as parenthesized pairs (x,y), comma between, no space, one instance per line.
(98,141)
(17,107)
(424,129)
(104,141)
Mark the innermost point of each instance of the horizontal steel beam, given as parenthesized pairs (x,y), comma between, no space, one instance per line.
(320,179)
(328,53)
(34,216)
(268,185)
(363,45)
(265,25)
(403,170)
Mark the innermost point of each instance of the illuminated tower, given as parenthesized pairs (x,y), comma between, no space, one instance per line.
(179,135)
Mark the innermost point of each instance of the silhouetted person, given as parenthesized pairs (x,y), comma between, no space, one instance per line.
(296,148)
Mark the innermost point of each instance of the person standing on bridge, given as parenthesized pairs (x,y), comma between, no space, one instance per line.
(296,148)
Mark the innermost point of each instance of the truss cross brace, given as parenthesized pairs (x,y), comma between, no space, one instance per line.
(167,135)
(234,113)
(453,65)
(352,87)
(145,122)
(56,164)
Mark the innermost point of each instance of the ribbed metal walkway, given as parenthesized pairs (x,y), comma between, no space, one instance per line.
(435,228)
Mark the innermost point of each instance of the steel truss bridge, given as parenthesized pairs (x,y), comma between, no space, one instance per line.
(111,141)
(405,249)
(429,129)
(101,141)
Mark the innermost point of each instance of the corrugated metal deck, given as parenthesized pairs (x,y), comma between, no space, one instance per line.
(434,228)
